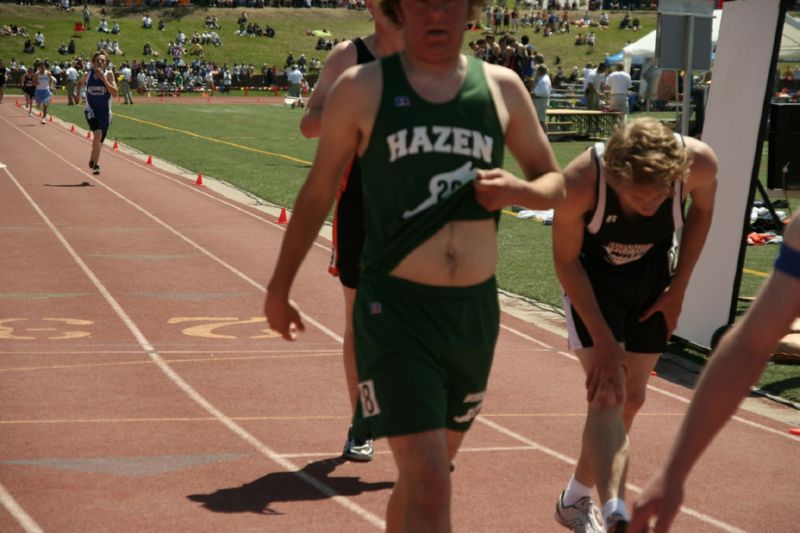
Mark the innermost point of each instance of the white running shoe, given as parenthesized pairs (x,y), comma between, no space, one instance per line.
(359,451)
(582,517)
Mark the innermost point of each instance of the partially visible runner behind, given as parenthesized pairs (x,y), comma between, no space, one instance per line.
(100,87)
(29,88)
(45,85)
(624,279)
(735,366)
(430,128)
(3,74)
(348,220)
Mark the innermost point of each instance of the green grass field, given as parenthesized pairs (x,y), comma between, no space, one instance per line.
(290,25)
(259,148)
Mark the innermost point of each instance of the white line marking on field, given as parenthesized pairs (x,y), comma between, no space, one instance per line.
(183,385)
(13,508)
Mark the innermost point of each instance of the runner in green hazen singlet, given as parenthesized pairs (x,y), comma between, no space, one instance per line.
(430,127)
(418,158)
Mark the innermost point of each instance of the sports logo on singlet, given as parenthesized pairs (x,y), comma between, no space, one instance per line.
(96,90)
(443,185)
(621,254)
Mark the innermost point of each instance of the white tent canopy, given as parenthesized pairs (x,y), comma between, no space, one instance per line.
(790,44)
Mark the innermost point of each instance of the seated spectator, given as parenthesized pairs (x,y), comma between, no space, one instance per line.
(103,26)
(162,25)
(625,23)
(574,76)
(71,47)
(39,39)
(147,22)
(603,21)
(115,29)
(28,47)
(635,26)
(148,50)
(62,50)
(269,32)
(196,49)
(115,49)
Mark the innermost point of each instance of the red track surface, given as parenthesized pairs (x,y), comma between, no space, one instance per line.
(138,391)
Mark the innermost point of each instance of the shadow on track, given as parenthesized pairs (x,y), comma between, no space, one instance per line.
(259,496)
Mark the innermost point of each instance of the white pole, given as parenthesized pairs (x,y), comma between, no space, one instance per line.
(687,77)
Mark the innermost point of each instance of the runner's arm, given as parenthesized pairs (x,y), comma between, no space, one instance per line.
(338,142)
(110,83)
(340,59)
(735,365)
(701,186)
(543,185)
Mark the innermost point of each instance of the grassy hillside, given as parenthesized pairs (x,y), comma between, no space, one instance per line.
(290,26)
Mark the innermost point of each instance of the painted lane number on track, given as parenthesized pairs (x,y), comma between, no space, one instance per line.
(63,328)
(49,328)
(209,324)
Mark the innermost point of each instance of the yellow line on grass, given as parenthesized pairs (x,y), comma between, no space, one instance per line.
(214,139)
(755,272)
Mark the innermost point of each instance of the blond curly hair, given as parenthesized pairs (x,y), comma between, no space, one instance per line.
(645,152)
(391,8)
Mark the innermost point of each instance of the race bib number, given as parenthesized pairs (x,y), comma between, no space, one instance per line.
(369,402)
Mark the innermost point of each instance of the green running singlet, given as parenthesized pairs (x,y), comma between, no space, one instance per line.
(420,161)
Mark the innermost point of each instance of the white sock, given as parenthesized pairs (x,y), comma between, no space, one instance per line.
(615,506)
(575,491)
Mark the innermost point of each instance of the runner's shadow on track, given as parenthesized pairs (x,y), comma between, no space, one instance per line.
(258,496)
(81,184)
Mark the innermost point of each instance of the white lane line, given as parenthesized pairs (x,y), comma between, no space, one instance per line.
(13,508)
(185,387)
(178,234)
(737,418)
(333,335)
(569,460)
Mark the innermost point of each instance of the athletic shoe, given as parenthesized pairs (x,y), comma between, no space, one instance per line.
(44,121)
(582,517)
(616,523)
(96,170)
(358,450)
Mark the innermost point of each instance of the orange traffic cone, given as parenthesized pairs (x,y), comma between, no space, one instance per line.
(283,219)
(89,135)
(116,145)
(16,102)
(204,94)
(199,180)
(149,160)
(50,118)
